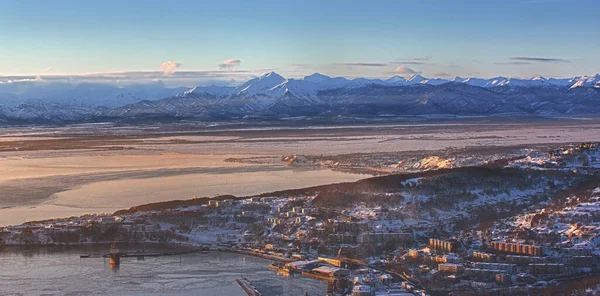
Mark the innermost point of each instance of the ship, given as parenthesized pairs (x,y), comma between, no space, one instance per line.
(114,255)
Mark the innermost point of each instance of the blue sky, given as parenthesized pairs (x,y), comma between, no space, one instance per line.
(517,38)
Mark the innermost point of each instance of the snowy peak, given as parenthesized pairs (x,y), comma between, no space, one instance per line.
(259,84)
(587,81)
(397,80)
(212,90)
(326,81)
(316,78)
(417,78)
(435,81)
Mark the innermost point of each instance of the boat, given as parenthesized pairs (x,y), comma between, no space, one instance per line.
(115,256)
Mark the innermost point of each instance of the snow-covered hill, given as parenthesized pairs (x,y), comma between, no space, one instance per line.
(317,94)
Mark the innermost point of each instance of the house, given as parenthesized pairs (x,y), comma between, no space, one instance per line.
(546,268)
(450,267)
(386,279)
(362,290)
(108,220)
(508,268)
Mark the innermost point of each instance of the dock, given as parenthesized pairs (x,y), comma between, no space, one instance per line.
(143,254)
(248,287)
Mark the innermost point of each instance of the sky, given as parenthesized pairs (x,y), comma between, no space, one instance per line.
(200,42)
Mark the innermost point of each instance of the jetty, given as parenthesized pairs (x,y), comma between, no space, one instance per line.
(248,287)
(143,254)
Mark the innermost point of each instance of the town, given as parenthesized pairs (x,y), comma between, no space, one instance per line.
(517,227)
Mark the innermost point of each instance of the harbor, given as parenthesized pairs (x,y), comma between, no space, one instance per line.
(54,269)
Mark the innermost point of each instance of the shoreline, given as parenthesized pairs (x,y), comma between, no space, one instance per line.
(191,248)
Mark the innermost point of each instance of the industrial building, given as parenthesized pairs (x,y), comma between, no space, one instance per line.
(331,271)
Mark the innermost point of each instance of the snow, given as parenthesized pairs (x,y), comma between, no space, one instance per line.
(67,101)
(214,90)
(587,81)
(397,80)
(417,78)
(260,84)
(326,81)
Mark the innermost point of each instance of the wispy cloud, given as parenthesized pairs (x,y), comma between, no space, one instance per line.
(442,74)
(361,64)
(179,78)
(414,60)
(540,60)
(410,63)
(425,58)
(169,67)
(46,70)
(404,70)
(513,63)
(230,63)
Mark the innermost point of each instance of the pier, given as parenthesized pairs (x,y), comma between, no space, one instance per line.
(248,287)
(142,254)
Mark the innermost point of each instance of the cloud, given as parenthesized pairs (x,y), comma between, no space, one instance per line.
(410,63)
(415,60)
(46,70)
(441,74)
(230,63)
(169,67)
(425,58)
(361,64)
(513,63)
(540,60)
(179,78)
(404,70)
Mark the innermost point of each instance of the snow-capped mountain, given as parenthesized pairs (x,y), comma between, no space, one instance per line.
(211,90)
(274,96)
(588,81)
(397,80)
(415,79)
(327,81)
(259,85)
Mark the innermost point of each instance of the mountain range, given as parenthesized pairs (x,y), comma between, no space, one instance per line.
(275,97)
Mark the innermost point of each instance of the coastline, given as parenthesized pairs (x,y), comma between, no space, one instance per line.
(191,248)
